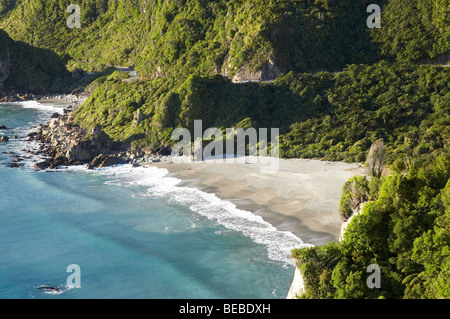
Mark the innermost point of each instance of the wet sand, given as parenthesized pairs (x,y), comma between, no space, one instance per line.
(301,196)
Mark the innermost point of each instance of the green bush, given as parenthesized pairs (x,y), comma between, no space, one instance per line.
(354,192)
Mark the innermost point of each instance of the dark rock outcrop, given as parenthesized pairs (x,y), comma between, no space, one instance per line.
(101,160)
(138,118)
(67,144)
(14,165)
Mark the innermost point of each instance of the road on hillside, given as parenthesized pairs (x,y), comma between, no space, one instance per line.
(131,72)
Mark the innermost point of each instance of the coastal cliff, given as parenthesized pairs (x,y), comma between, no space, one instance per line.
(297,286)
(63,143)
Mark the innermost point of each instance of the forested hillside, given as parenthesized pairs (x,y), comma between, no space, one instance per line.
(334,117)
(179,38)
(26,68)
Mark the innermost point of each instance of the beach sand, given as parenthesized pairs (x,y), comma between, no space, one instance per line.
(302,196)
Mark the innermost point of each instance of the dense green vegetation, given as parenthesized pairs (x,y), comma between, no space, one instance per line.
(340,88)
(404,229)
(180,38)
(416,30)
(335,117)
(31,67)
(406,106)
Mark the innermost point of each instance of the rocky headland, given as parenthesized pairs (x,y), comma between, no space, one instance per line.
(62,143)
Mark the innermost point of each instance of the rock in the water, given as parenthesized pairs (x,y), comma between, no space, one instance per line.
(58,161)
(96,161)
(2,127)
(14,165)
(32,134)
(41,165)
(104,161)
(109,161)
(79,151)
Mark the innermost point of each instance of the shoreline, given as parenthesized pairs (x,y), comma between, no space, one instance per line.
(73,97)
(301,198)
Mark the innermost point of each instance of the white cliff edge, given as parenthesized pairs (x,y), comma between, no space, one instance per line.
(297,286)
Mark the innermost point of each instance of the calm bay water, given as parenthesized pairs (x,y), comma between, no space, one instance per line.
(132,231)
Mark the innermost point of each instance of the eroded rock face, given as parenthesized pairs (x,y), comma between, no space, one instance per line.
(69,144)
(79,151)
(101,161)
(268,72)
(297,287)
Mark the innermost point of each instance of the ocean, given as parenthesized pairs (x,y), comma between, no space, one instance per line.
(133,233)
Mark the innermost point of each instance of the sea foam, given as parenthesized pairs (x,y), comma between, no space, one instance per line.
(158,184)
(54,107)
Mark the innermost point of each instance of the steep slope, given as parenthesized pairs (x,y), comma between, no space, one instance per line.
(253,39)
(26,68)
(335,117)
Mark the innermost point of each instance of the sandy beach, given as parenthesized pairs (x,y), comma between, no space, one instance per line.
(302,196)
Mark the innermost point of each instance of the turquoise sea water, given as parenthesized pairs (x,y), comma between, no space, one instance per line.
(132,231)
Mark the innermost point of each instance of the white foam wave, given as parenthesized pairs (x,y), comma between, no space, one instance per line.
(41,106)
(279,243)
